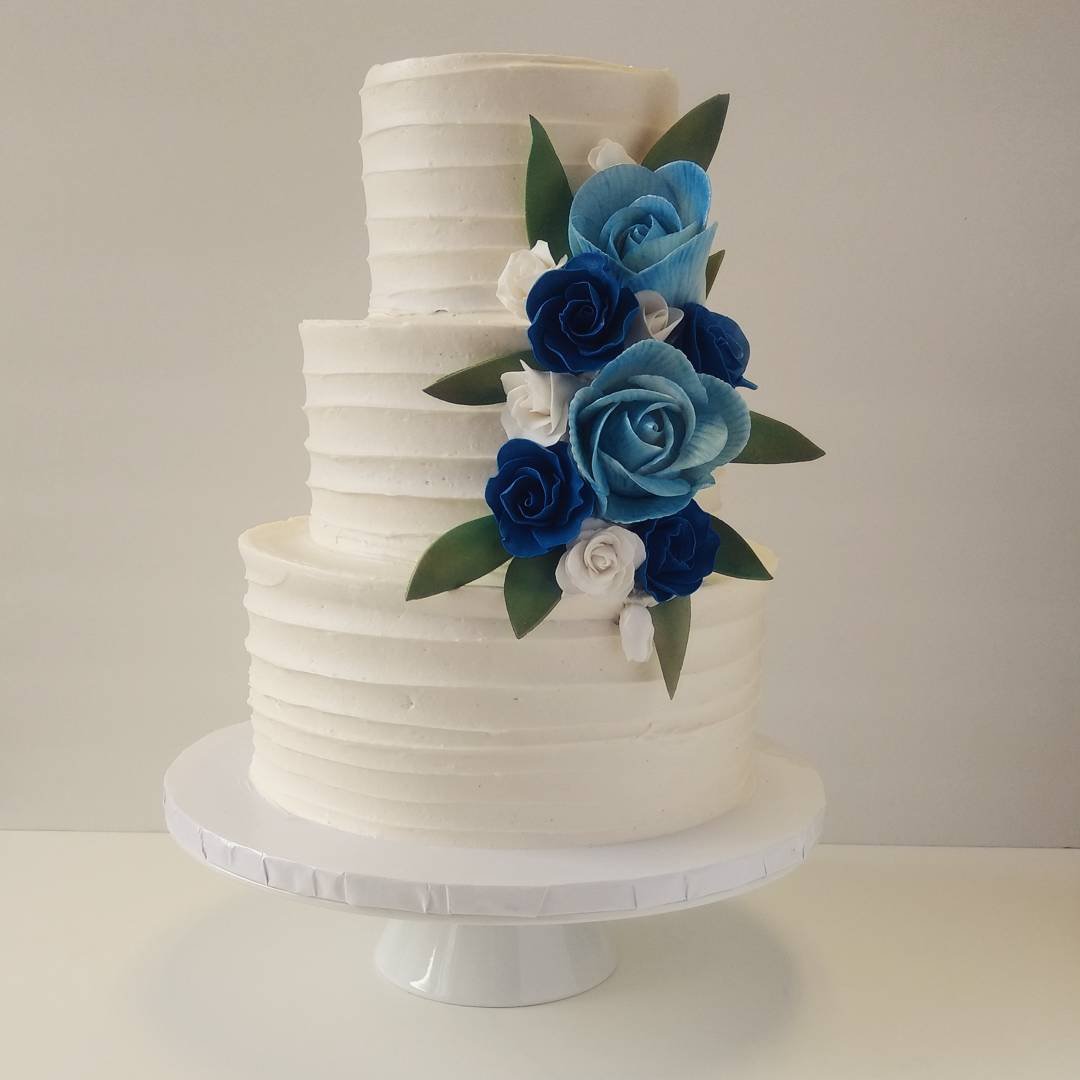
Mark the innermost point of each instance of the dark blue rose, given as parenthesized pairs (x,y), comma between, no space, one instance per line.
(680,551)
(538,497)
(714,344)
(582,316)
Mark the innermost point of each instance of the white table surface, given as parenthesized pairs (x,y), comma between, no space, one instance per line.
(121,957)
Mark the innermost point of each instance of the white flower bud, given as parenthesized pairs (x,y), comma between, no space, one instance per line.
(659,319)
(537,404)
(601,562)
(520,274)
(636,630)
(606,153)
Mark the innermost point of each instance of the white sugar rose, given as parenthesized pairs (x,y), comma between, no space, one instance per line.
(606,153)
(659,319)
(636,628)
(537,404)
(601,562)
(520,274)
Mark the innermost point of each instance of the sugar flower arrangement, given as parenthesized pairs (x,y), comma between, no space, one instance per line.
(623,408)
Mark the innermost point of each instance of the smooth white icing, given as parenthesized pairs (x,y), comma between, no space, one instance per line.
(430,719)
(445,144)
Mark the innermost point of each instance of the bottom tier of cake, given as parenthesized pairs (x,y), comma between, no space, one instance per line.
(429,720)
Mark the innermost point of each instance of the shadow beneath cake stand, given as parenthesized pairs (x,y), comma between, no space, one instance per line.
(502,927)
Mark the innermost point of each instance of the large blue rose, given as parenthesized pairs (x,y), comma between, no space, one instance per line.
(648,432)
(651,225)
(538,497)
(680,551)
(581,315)
(714,344)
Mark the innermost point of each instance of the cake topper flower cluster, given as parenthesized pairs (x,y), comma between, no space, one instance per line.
(624,406)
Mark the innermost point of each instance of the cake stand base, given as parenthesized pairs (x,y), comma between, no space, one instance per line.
(495,966)
(488,927)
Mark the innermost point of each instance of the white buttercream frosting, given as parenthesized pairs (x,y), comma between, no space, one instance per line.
(430,719)
(446,140)
(392,467)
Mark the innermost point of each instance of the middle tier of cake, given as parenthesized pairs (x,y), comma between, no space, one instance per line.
(391,467)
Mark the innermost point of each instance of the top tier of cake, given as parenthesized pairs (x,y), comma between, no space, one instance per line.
(445,144)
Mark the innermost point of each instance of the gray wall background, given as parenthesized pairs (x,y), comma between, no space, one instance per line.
(897,191)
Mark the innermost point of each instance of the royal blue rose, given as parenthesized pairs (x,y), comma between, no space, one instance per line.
(680,551)
(538,497)
(652,226)
(648,432)
(581,315)
(714,344)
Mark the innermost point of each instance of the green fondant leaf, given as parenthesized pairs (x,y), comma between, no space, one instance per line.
(694,137)
(531,591)
(735,557)
(479,384)
(775,443)
(712,267)
(459,556)
(671,630)
(547,194)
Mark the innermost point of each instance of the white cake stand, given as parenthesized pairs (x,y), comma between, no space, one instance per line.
(488,927)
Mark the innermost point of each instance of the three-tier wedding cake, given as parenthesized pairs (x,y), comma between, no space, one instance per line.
(476,636)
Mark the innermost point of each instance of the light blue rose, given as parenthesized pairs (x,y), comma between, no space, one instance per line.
(652,225)
(648,432)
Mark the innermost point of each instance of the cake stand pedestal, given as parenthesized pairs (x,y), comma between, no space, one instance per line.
(488,927)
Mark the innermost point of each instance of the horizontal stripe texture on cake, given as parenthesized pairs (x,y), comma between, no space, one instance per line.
(445,144)
(430,720)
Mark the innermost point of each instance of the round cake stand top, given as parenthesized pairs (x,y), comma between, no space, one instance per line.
(214,813)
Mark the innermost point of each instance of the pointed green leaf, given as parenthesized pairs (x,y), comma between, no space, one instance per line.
(531,591)
(712,267)
(775,443)
(480,384)
(547,194)
(694,137)
(735,557)
(671,631)
(459,556)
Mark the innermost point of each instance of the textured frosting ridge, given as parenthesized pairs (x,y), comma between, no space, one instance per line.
(392,468)
(433,721)
(445,144)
